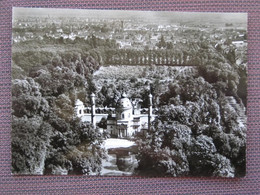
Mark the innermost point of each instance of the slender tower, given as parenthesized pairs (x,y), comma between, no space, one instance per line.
(93,110)
(150,111)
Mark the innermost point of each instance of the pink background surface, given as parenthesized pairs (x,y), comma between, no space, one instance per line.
(133,185)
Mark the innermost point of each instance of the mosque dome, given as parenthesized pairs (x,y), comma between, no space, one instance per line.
(124,103)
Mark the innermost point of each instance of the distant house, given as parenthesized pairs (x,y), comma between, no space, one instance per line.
(154,39)
(59,30)
(29,35)
(239,43)
(124,44)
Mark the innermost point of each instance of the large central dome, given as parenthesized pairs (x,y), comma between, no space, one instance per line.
(124,103)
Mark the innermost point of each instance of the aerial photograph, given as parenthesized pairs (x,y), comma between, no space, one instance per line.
(128,93)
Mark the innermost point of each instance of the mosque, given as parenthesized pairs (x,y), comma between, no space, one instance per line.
(125,120)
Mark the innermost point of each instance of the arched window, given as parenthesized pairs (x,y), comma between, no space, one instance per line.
(123,116)
(79,111)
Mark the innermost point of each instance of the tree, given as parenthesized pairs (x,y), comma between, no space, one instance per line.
(30,133)
(30,140)
(161,43)
(46,139)
(197,132)
(163,150)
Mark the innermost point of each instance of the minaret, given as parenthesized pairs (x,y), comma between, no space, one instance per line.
(93,110)
(150,111)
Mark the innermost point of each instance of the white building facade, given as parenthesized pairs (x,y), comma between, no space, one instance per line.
(125,120)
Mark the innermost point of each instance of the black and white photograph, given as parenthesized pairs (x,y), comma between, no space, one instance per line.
(128,93)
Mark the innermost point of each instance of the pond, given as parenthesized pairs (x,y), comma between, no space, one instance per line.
(120,159)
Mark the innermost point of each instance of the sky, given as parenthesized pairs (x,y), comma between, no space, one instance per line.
(164,16)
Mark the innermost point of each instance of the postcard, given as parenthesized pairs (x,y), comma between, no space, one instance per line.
(128,93)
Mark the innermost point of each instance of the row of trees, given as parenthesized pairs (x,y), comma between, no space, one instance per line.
(145,57)
(180,55)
